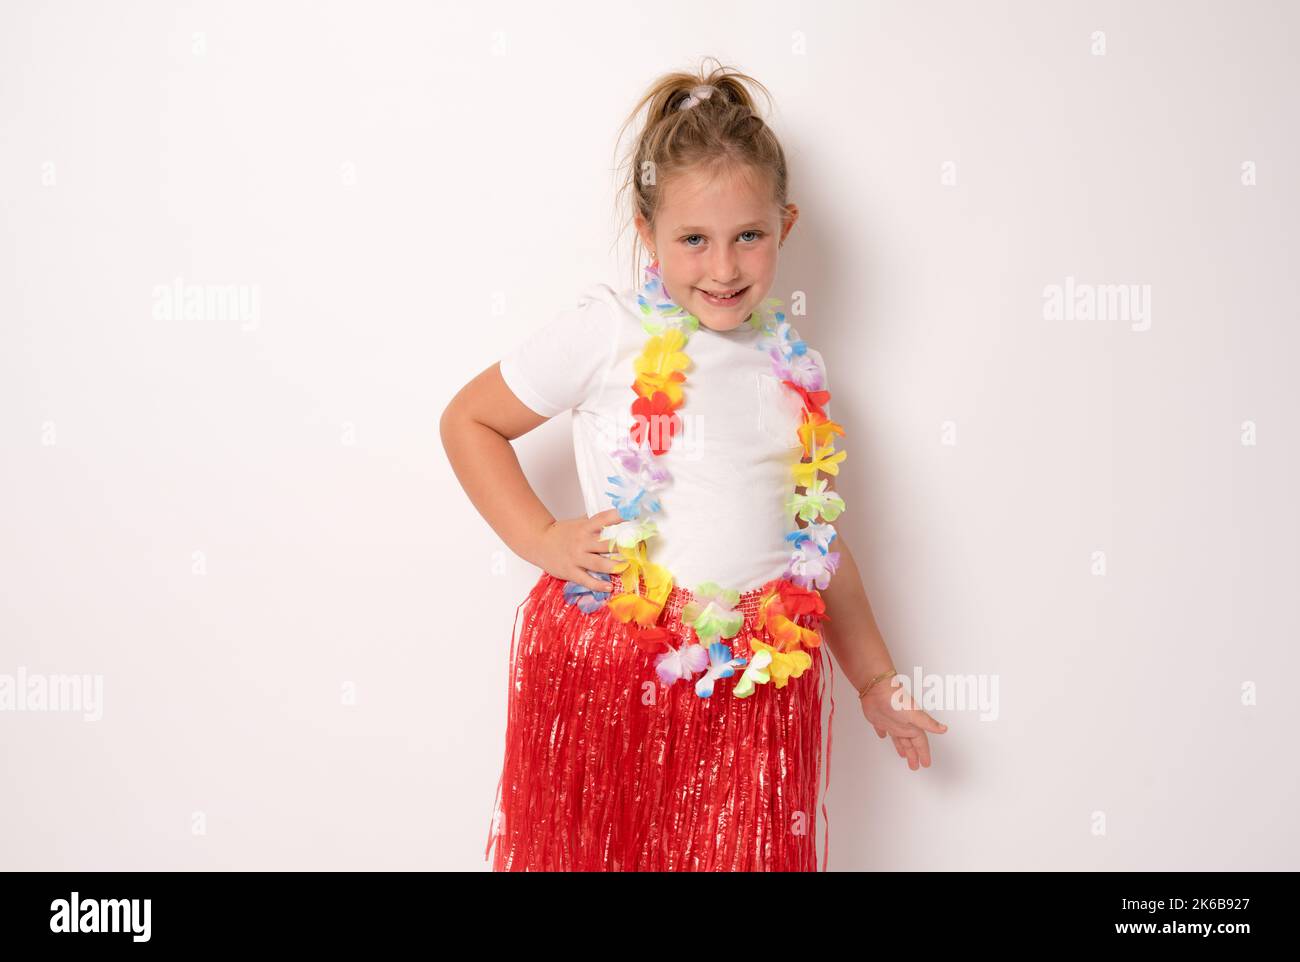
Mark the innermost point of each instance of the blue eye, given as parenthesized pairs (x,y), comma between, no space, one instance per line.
(757,234)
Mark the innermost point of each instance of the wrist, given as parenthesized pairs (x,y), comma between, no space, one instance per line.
(530,548)
(874,681)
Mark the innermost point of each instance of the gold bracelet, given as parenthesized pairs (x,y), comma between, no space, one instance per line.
(881,677)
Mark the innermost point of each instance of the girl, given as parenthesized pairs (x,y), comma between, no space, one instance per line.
(666,687)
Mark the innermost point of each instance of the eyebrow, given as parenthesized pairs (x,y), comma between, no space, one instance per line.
(705,230)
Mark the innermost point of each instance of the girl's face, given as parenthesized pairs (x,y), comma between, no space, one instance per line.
(717,234)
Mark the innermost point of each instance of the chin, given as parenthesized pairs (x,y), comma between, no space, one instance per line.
(722,325)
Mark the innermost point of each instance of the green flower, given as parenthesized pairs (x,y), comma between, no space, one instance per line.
(711,612)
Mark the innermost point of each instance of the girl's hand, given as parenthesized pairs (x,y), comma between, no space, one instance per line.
(906,724)
(570,549)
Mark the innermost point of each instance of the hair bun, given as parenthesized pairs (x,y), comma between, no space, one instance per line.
(696,94)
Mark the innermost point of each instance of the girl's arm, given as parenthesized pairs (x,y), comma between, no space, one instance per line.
(476,429)
(856,642)
(851,631)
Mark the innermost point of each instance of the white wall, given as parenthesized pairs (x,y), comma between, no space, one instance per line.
(231,521)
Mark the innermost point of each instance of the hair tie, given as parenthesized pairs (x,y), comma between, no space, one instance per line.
(702,92)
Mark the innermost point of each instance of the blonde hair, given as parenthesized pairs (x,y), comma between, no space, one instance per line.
(717,129)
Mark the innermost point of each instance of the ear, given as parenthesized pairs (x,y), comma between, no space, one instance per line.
(789,214)
(642,228)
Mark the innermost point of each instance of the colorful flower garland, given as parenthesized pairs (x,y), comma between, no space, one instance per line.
(788,600)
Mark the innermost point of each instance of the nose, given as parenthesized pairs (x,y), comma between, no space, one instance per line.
(723,266)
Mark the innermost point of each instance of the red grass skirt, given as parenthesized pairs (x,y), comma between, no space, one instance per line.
(607,770)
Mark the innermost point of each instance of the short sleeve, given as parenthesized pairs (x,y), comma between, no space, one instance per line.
(564,361)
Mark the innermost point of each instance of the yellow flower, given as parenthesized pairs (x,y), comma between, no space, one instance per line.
(630,605)
(660,366)
(805,472)
(785,664)
(658,582)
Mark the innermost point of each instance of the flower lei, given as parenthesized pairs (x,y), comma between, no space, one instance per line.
(712,616)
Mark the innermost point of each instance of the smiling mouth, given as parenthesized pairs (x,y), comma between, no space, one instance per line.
(723,297)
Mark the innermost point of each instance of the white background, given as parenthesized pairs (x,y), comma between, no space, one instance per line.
(235,524)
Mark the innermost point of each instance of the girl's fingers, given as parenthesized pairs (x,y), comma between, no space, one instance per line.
(879,731)
(601,546)
(604,519)
(930,725)
(906,729)
(598,562)
(587,580)
(919,721)
(912,763)
(918,751)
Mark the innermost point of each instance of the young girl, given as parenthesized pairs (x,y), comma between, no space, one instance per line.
(666,687)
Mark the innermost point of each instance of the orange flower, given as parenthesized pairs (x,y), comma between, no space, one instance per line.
(628,608)
(775,611)
(816,431)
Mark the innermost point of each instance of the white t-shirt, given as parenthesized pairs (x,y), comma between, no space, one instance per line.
(722,514)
